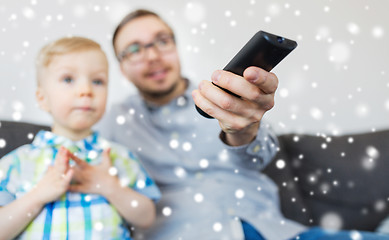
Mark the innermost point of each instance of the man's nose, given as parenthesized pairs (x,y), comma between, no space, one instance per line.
(152,52)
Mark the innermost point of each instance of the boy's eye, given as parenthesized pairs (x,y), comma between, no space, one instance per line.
(98,82)
(162,41)
(68,79)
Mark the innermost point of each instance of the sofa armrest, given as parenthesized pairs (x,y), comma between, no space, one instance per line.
(15,134)
(342,179)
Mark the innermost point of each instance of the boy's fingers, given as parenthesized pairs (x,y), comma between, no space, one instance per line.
(62,159)
(76,188)
(77,173)
(60,155)
(78,161)
(82,188)
(68,176)
(106,157)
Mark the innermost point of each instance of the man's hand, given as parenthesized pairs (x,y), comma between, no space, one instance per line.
(93,178)
(239,118)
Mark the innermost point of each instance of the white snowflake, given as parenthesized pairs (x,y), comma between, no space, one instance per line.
(204,163)
(372,152)
(378,32)
(280,163)
(198,197)
(3,143)
(195,12)
(217,227)
(187,146)
(331,220)
(239,193)
(134,203)
(167,211)
(99,226)
(339,52)
(180,172)
(174,143)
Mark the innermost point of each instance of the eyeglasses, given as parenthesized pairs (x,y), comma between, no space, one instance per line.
(136,52)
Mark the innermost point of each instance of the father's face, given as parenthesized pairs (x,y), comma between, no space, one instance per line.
(156,73)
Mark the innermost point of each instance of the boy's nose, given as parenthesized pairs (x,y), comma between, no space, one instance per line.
(85,90)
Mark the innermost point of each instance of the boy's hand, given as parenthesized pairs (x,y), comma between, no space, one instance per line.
(93,179)
(57,178)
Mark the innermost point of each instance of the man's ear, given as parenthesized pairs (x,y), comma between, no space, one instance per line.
(41,99)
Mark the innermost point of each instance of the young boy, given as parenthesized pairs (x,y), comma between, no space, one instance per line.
(70,183)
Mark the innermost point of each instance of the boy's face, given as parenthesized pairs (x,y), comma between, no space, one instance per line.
(158,73)
(73,89)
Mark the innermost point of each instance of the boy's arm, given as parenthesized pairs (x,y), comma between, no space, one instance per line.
(135,208)
(15,216)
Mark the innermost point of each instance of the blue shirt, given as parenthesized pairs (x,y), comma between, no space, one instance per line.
(206,185)
(74,215)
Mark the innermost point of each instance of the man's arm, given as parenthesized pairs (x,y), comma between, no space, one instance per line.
(239,118)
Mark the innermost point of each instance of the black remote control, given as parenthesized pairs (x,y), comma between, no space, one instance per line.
(264,50)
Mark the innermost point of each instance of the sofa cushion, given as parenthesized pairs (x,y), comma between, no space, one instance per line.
(342,180)
(15,134)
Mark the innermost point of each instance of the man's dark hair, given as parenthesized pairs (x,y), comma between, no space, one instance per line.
(131,16)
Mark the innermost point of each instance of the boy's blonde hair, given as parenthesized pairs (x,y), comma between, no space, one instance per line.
(62,46)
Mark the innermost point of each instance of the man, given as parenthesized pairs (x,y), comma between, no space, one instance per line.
(210,179)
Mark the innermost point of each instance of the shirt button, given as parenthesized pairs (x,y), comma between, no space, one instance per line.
(231,212)
(256,148)
(165,111)
(199,175)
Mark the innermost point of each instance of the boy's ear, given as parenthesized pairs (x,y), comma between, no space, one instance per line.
(41,99)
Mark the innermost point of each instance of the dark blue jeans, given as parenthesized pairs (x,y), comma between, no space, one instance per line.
(317,233)
(250,233)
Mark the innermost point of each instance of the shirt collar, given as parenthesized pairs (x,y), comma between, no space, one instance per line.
(179,101)
(47,138)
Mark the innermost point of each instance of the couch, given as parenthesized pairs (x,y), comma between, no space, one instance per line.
(336,182)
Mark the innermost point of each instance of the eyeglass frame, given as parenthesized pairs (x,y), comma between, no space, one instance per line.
(122,55)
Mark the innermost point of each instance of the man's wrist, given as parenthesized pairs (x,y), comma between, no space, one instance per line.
(240,138)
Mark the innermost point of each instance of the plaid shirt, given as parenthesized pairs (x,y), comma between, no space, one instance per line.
(73,215)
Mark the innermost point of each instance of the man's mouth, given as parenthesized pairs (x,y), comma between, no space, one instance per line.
(158,74)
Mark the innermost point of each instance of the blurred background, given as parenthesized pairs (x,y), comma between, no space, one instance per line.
(335,82)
